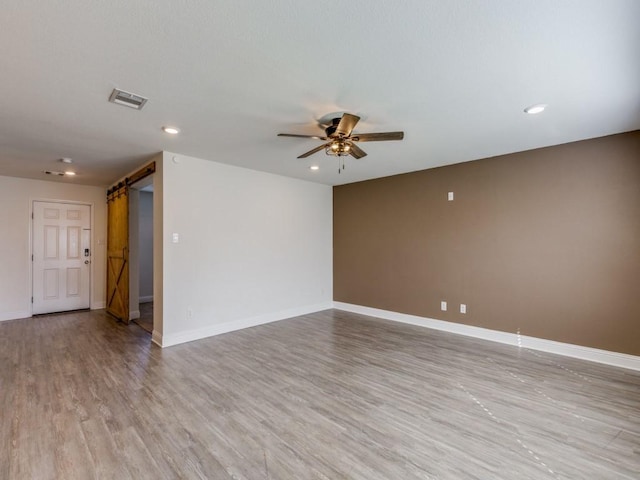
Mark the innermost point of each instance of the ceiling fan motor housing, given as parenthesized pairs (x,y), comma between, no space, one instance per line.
(331,129)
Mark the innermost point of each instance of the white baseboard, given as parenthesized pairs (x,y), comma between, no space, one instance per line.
(98,305)
(218,329)
(616,359)
(4,316)
(134,314)
(146,299)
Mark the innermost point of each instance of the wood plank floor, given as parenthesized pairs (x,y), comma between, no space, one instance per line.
(331,395)
(145,321)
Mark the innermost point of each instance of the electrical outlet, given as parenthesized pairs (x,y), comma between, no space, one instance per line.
(450,196)
(189,313)
(443,306)
(463,308)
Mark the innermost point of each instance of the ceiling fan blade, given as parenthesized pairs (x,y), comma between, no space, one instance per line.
(377,137)
(301,136)
(315,150)
(356,151)
(347,124)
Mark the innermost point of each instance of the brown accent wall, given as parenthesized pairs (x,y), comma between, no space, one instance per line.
(545,242)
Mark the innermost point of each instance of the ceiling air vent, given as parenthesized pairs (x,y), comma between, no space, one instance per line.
(127,99)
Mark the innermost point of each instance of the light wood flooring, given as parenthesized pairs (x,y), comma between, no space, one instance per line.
(330,395)
(145,321)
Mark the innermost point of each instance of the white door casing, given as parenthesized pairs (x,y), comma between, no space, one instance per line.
(61,256)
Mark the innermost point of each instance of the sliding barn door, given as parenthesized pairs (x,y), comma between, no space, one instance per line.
(118,253)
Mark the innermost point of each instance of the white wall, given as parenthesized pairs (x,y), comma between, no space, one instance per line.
(16,196)
(254,247)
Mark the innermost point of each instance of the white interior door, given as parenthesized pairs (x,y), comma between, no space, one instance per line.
(61,256)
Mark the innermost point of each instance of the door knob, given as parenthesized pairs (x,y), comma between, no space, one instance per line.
(87,262)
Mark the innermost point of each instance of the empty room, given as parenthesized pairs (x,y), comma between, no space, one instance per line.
(345,240)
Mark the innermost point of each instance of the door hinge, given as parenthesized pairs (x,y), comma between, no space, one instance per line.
(32,257)
(31,215)
(31,299)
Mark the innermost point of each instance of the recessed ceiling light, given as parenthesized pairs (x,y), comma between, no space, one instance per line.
(66,160)
(533,109)
(70,173)
(171,130)
(314,167)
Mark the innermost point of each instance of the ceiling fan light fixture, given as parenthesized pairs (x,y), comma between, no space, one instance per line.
(338,148)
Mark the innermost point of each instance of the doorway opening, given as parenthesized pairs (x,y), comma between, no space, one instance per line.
(124,247)
(141,249)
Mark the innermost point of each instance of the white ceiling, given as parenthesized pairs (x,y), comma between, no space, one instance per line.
(454,75)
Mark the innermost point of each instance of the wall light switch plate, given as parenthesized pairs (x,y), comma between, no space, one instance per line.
(450,196)
(443,306)
(175,238)
(463,308)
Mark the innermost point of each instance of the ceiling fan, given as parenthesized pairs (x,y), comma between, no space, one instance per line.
(341,139)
